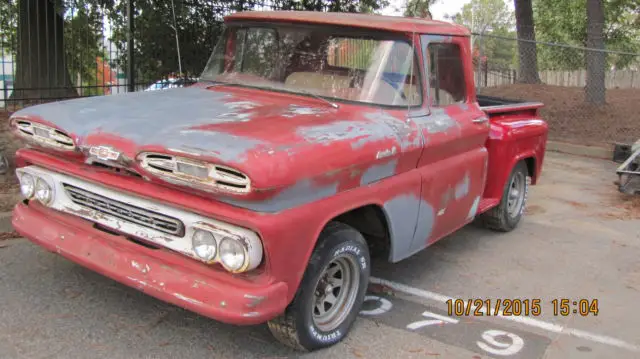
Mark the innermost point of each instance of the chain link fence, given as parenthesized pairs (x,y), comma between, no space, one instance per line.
(78,48)
(60,49)
(591,96)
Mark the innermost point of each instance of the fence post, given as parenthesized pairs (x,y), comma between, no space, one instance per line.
(486,72)
(479,77)
(514,76)
(130,69)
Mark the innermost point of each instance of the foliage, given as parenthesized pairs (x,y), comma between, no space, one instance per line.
(565,22)
(418,8)
(8,26)
(490,17)
(82,37)
(198,26)
(83,45)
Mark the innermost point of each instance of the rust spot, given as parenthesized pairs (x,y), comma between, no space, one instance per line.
(255,300)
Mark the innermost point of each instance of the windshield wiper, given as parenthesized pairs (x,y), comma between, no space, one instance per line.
(332,104)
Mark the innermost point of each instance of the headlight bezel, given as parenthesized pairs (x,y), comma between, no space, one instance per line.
(252,247)
(210,259)
(37,178)
(33,179)
(49,188)
(245,254)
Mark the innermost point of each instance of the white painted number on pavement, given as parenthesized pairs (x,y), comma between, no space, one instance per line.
(439,319)
(492,340)
(493,346)
(384,306)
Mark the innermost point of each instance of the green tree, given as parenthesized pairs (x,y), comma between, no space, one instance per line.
(418,8)
(55,46)
(621,32)
(490,17)
(198,26)
(527,50)
(8,26)
(70,34)
(595,88)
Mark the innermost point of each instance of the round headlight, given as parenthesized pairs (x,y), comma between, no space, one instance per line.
(44,193)
(27,185)
(232,254)
(204,245)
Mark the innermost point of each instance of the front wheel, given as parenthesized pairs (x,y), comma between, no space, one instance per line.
(506,216)
(331,292)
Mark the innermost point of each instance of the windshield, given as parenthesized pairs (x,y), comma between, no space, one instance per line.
(319,61)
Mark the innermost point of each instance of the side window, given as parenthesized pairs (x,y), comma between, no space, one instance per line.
(446,75)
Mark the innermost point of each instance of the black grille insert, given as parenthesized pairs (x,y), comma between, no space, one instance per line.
(124,211)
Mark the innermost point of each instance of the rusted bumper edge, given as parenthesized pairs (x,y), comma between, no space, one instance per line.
(126,262)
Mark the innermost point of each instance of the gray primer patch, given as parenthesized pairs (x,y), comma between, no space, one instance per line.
(462,188)
(474,208)
(424,228)
(303,192)
(378,172)
(402,213)
(401,129)
(438,121)
(343,131)
(153,117)
(228,147)
(295,110)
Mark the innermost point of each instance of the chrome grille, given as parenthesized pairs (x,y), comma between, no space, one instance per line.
(125,211)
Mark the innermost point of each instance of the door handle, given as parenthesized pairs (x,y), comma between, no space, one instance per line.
(482,119)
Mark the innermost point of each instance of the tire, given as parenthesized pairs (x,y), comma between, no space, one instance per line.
(505,217)
(302,326)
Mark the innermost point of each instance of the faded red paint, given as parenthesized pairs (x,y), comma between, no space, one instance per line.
(431,173)
(379,22)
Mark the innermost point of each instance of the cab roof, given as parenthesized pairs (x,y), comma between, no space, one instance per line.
(369,21)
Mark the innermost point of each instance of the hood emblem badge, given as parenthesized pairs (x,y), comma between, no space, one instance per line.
(104,153)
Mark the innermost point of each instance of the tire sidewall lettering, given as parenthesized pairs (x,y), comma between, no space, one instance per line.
(353,250)
(326,338)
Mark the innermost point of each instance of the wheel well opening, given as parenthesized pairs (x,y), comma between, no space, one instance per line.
(531,166)
(371,222)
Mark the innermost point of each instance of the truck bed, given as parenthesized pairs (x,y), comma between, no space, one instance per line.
(499,106)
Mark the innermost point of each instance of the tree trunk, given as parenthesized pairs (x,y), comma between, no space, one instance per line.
(528,72)
(595,59)
(41,71)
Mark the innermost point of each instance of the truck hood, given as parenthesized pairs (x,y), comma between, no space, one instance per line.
(276,139)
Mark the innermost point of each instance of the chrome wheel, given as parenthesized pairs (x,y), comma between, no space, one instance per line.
(515,199)
(335,293)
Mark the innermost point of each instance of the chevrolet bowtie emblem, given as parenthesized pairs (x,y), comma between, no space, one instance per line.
(104,153)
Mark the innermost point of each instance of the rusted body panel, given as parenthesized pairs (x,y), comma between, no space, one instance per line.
(429,171)
(164,275)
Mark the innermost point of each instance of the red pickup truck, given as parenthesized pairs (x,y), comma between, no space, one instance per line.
(311,142)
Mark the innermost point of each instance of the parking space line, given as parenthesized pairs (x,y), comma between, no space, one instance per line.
(555,328)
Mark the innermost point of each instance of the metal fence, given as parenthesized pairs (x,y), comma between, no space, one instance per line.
(58,49)
(578,107)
